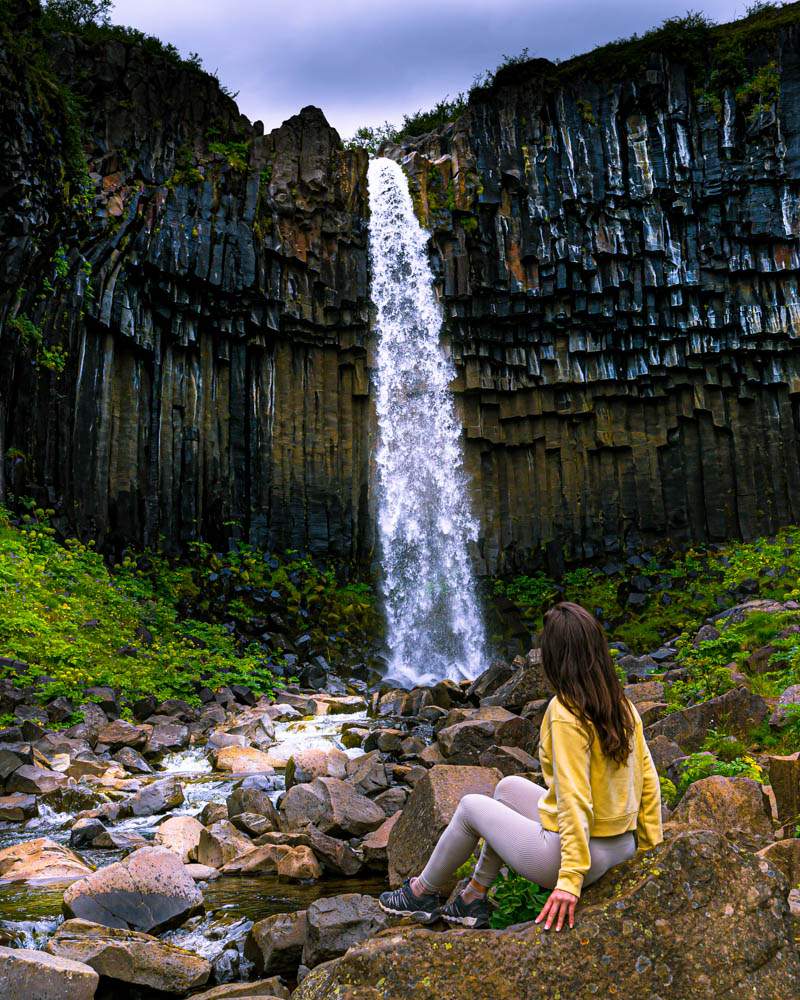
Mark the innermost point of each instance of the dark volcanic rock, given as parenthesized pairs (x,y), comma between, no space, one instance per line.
(727,935)
(591,229)
(735,712)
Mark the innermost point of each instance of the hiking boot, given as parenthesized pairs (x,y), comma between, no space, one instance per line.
(403,903)
(474,914)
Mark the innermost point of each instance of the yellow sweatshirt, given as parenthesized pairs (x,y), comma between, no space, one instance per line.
(590,795)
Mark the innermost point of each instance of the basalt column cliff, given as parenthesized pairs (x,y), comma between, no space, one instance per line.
(618,265)
(208,286)
(184,329)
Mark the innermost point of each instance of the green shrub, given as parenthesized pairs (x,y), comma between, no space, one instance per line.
(703,765)
(65,614)
(669,793)
(516,900)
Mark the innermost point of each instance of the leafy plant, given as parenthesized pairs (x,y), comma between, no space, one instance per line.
(703,765)
(233,152)
(516,900)
(669,793)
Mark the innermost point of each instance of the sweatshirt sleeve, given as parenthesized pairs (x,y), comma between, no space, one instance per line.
(648,825)
(571,759)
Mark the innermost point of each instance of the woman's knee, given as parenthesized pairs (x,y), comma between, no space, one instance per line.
(470,807)
(508,789)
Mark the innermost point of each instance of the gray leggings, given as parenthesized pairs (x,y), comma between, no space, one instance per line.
(512,834)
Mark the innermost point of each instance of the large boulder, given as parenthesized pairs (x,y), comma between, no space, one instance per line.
(41,860)
(696,918)
(429,809)
(785,856)
(148,891)
(336,923)
(298,864)
(727,805)
(130,956)
(275,944)
(333,806)
(735,712)
(35,975)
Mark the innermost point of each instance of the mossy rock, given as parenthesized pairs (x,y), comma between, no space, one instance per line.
(695,918)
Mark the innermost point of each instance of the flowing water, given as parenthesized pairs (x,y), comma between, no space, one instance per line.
(30,913)
(434,626)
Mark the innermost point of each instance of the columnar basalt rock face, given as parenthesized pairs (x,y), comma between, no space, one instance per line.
(618,269)
(617,262)
(215,379)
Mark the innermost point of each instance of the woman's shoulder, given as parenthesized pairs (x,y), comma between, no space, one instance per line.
(557,711)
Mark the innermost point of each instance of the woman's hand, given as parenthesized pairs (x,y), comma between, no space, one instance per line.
(560,904)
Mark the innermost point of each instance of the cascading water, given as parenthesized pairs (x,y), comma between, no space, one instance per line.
(424,521)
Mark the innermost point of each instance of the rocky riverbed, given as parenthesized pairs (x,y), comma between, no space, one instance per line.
(240,845)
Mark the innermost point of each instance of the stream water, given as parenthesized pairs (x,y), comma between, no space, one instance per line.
(426,528)
(29,914)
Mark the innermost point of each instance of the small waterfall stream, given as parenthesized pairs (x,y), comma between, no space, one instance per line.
(424,521)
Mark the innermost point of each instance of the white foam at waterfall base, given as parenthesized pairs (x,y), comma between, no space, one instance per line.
(426,528)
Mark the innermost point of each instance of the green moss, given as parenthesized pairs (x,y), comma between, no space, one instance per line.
(50,357)
(234,153)
(67,614)
(585,111)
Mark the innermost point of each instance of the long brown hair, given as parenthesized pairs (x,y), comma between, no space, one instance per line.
(578,666)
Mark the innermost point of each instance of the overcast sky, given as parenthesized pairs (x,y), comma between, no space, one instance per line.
(367,61)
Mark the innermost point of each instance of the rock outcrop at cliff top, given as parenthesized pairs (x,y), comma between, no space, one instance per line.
(618,267)
(695,918)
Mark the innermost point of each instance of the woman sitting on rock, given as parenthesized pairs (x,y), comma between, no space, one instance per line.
(602,796)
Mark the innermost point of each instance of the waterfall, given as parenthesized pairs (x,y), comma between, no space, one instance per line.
(425,526)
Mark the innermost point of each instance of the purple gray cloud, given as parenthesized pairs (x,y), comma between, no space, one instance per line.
(366,61)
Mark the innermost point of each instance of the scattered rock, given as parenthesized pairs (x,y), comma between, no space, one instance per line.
(336,923)
(220,843)
(367,773)
(265,989)
(784,777)
(509,760)
(785,856)
(132,761)
(332,805)
(526,684)
(157,797)
(392,800)
(35,780)
(727,935)
(34,975)
(275,945)
(306,765)
(374,845)
(664,752)
(167,736)
(646,691)
(149,891)
(242,760)
(17,807)
(180,834)
(40,860)
(737,711)
(336,855)
(725,805)
(429,809)
(464,742)
(261,860)
(129,956)
(782,715)
(120,733)
(298,864)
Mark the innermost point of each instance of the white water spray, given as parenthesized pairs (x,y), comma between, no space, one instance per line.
(424,521)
